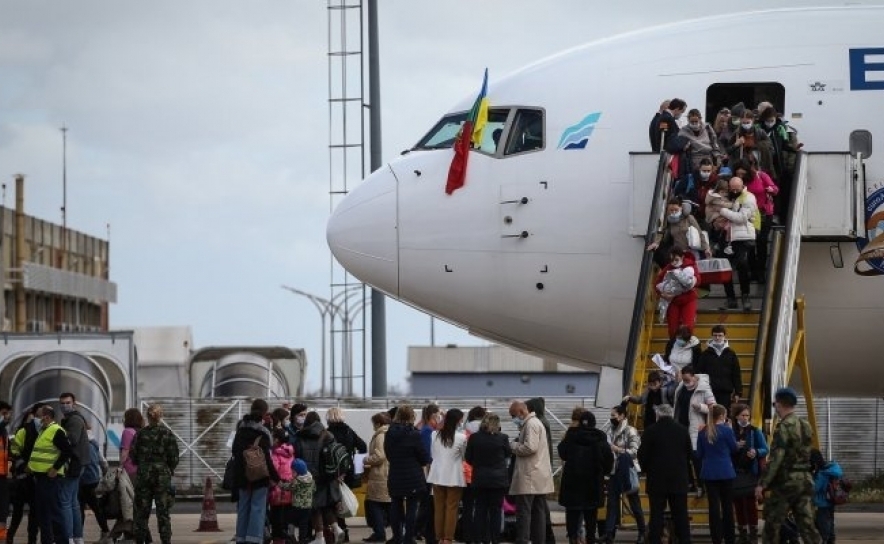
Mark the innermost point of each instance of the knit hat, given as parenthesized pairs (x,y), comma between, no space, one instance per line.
(299,466)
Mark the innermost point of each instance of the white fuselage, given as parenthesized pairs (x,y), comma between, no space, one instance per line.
(567,289)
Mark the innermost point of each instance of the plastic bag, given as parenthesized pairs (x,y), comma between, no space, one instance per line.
(349,505)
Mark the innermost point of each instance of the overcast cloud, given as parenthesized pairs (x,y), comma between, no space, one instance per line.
(199,132)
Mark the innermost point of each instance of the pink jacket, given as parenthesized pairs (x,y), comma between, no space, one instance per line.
(758,187)
(282,457)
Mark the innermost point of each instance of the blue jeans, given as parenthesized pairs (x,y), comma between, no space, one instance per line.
(69,507)
(251,510)
(376,514)
(825,523)
(403,513)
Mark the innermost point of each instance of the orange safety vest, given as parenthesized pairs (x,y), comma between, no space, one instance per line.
(4,456)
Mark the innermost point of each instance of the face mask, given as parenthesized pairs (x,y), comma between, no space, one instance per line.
(734,194)
(705,175)
(717,343)
(746,126)
(615,423)
(67,408)
(680,343)
(742,423)
(299,420)
(770,124)
(518,421)
(674,217)
(37,424)
(735,121)
(695,127)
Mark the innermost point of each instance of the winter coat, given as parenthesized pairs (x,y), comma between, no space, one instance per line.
(538,406)
(250,429)
(743,218)
(723,369)
(676,234)
(96,467)
(663,454)
(309,442)
(681,356)
(345,435)
(447,467)
(407,457)
(759,188)
(716,457)
(378,467)
(754,440)
(704,145)
(687,262)
(821,483)
(701,396)
(532,474)
(489,454)
(117,481)
(588,458)
(756,142)
(625,436)
(282,457)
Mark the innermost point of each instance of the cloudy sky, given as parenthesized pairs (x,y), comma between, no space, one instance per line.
(199,132)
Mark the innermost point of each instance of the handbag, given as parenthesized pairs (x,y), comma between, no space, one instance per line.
(349,505)
(695,241)
(633,482)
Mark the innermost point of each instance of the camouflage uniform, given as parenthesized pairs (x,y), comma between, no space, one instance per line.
(788,479)
(156,454)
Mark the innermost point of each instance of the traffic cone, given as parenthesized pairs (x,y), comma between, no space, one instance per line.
(209,516)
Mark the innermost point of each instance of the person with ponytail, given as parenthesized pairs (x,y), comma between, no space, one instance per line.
(716,445)
(747,463)
(446,474)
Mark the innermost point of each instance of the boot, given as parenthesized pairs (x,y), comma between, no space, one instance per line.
(743,537)
(747,304)
(730,305)
(753,534)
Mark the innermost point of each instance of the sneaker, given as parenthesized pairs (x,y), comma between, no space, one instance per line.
(730,305)
(339,533)
(747,304)
(318,540)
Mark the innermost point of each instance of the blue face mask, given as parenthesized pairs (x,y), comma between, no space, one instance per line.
(518,421)
(680,343)
(674,217)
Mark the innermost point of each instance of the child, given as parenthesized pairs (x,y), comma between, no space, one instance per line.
(823,472)
(281,454)
(676,281)
(302,488)
(716,200)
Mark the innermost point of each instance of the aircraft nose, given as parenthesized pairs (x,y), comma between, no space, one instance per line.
(361,232)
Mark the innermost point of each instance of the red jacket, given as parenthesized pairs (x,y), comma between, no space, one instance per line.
(688,261)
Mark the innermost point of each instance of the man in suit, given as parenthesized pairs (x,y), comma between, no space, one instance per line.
(663,456)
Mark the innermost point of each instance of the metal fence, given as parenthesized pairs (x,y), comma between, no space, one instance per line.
(851,430)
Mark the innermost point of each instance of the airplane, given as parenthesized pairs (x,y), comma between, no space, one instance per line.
(542,246)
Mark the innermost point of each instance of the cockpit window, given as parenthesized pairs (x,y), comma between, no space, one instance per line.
(526,133)
(445,132)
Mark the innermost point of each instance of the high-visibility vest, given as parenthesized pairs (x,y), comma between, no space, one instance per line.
(4,456)
(45,453)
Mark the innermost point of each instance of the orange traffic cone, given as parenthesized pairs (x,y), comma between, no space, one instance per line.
(209,516)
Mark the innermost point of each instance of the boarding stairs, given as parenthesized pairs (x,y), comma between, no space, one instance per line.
(766,339)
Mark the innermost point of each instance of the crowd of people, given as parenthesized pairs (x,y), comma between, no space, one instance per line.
(731,183)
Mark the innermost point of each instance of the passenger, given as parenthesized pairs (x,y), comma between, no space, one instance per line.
(538,406)
(747,463)
(303,488)
(282,454)
(676,284)
(406,484)
(663,454)
(707,178)
(666,127)
(467,522)
(431,421)
(823,473)
(345,435)
(715,446)
(133,421)
(787,475)
(723,128)
(74,425)
(156,454)
(20,448)
(92,473)
(764,190)
(377,498)
(575,416)
(532,475)
(587,458)
(722,366)
(488,451)
(784,149)
(743,222)
(297,415)
(446,474)
(675,234)
(651,398)
(683,349)
(625,442)
(693,398)
(654,128)
(703,143)
(719,227)
(749,139)
(310,442)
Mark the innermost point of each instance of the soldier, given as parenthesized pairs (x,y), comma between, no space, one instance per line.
(156,454)
(787,476)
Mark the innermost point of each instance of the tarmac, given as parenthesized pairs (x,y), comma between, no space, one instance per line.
(855,527)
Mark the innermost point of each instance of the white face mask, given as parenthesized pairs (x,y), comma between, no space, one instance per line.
(746,126)
(705,175)
(743,423)
(770,124)
(694,126)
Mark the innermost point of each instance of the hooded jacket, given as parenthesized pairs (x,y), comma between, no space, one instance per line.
(698,408)
(378,467)
(588,458)
(538,406)
(407,457)
(723,368)
(681,356)
(743,217)
(250,429)
(309,443)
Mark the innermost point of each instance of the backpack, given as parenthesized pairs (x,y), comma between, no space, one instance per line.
(254,462)
(336,460)
(838,490)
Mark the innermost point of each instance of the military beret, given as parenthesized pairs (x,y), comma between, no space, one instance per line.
(786,394)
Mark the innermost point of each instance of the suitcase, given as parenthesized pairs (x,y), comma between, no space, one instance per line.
(713,271)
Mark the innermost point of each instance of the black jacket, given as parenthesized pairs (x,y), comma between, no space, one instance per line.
(587,457)
(249,429)
(488,454)
(407,457)
(345,435)
(663,123)
(309,442)
(663,456)
(723,370)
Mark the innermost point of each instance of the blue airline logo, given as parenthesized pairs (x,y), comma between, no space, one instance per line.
(867,69)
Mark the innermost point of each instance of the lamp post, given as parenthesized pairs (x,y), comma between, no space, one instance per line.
(325,308)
